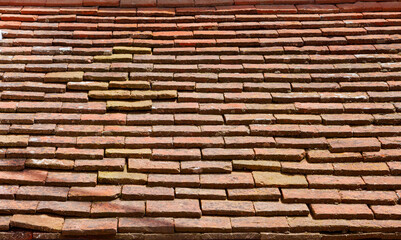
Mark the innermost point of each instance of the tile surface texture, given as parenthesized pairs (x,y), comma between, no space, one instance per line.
(190,119)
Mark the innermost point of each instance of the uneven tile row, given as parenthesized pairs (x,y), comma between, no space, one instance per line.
(231,122)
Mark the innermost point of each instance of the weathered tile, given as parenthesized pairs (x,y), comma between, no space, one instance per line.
(276,179)
(173,208)
(80,227)
(42,223)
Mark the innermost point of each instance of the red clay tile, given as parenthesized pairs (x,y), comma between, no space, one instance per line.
(18,207)
(146,225)
(204,224)
(103,226)
(71,179)
(310,196)
(42,193)
(227,208)
(69,208)
(345,211)
(118,208)
(178,208)
(259,107)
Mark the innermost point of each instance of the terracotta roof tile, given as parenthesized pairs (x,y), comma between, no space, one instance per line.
(200,119)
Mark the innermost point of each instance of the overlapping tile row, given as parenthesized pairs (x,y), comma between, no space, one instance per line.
(165,3)
(200,123)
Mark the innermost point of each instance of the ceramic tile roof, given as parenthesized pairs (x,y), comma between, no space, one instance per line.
(273,121)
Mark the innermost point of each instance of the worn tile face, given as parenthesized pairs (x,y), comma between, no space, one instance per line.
(43,223)
(200,119)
